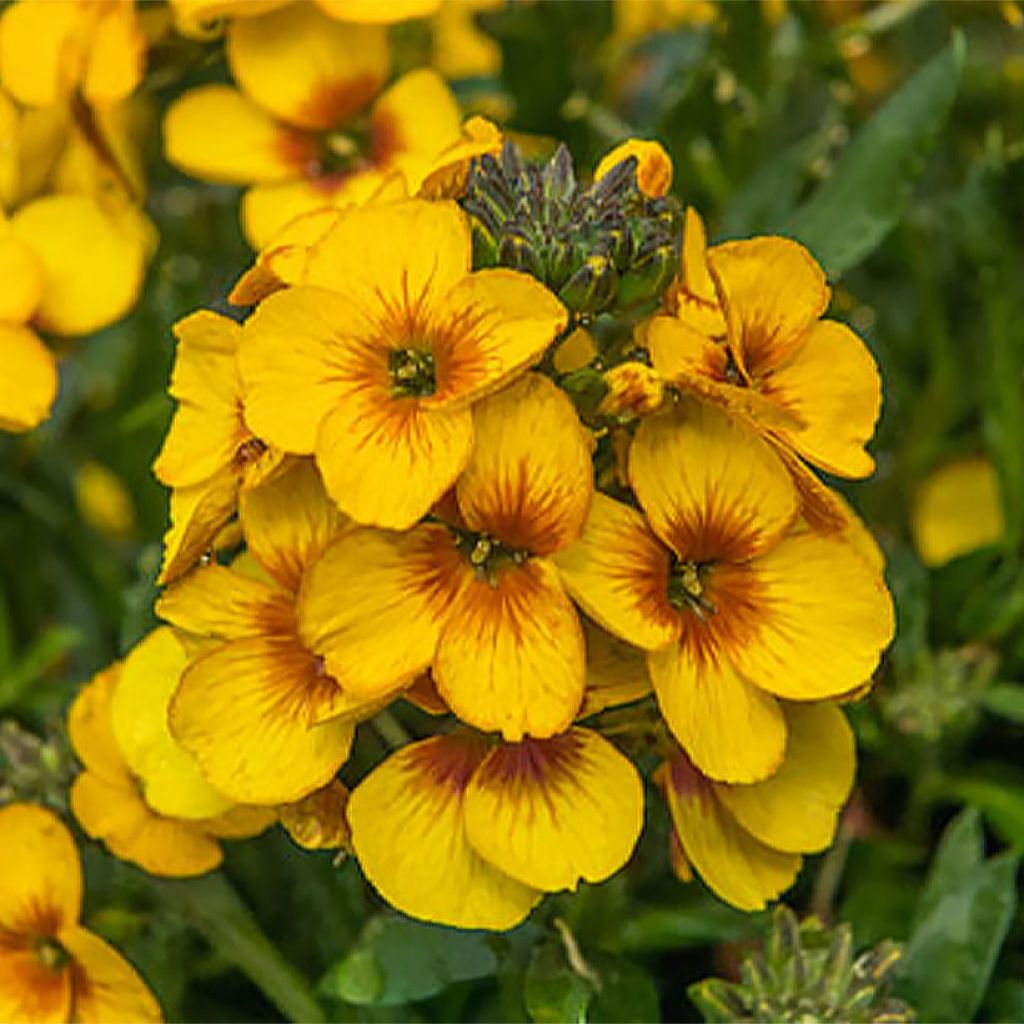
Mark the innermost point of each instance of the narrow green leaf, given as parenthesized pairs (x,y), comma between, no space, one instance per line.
(36,662)
(960,851)
(216,911)
(870,187)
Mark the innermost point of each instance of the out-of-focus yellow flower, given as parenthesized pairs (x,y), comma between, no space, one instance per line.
(478,600)
(307,127)
(746,841)
(50,50)
(209,454)
(393,338)
(470,833)
(637,18)
(460,48)
(734,607)
(104,501)
(957,509)
(140,793)
(654,165)
(52,969)
(256,708)
(317,821)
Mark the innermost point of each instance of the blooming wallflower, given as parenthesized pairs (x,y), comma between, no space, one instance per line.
(140,793)
(746,841)
(734,606)
(389,343)
(209,453)
(477,598)
(51,968)
(256,707)
(468,832)
(309,125)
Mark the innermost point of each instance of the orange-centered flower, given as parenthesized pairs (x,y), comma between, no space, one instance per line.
(373,364)
(476,598)
(470,833)
(52,970)
(735,606)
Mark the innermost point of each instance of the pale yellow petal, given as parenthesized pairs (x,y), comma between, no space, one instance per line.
(116,56)
(41,50)
(28,384)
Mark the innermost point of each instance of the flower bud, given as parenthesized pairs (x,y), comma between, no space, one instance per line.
(591,288)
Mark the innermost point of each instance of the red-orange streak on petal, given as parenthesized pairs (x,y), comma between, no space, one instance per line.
(385,139)
(334,103)
(298,149)
(449,762)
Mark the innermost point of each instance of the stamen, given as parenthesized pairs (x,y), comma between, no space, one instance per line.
(413,372)
(52,955)
(686,588)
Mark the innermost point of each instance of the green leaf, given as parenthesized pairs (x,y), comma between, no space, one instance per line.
(965,912)
(627,993)
(870,187)
(1001,801)
(1005,700)
(217,912)
(397,961)
(554,992)
(42,656)
(1005,1002)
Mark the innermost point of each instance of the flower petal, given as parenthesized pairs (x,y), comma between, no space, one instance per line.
(242,711)
(551,813)
(823,619)
(216,133)
(408,832)
(374,603)
(654,165)
(92,265)
(116,56)
(171,780)
(529,480)
(375,13)
(711,488)
(733,864)
(616,671)
(731,730)
(317,821)
(511,655)
(41,51)
(28,385)
(831,382)
(31,991)
(91,731)
(305,68)
(772,291)
(20,270)
(107,989)
(197,515)
(40,875)
(289,521)
(796,809)
(618,574)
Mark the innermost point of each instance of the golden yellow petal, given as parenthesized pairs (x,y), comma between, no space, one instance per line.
(40,875)
(449,171)
(654,165)
(711,488)
(28,385)
(733,864)
(692,297)
(408,833)
(30,991)
(91,731)
(41,50)
(796,809)
(732,730)
(21,273)
(373,12)
(529,481)
(317,822)
(957,509)
(244,711)
(107,989)
(92,264)
(831,382)
(511,655)
(618,574)
(374,604)
(823,618)
(197,515)
(616,671)
(305,68)
(171,781)
(772,291)
(552,813)
(116,56)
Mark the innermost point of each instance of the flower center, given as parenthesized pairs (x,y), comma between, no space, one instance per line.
(487,554)
(412,372)
(687,588)
(52,955)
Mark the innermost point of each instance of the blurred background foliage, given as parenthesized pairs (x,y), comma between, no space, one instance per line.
(888,138)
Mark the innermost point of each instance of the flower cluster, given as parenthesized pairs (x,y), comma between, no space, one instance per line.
(523,452)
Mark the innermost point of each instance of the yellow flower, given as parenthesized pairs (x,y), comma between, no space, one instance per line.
(374,363)
(810,385)
(637,18)
(209,454)
(470,833)
(957,509)
(479,600)
(746,841)
(302,130)
(654,165)
(140,793)
(447,176)
(734,606)
(256,708)
(52,969)
(50,50)
(104,501)
(460,49)
(317,821)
